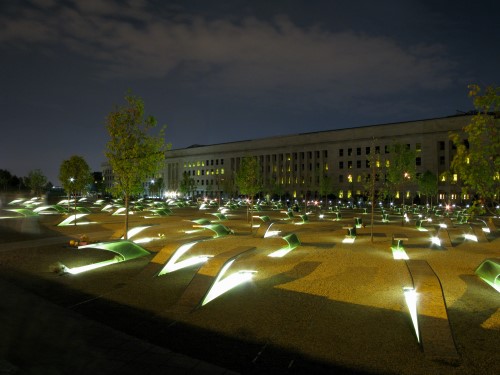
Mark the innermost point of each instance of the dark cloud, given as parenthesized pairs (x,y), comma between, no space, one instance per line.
(239,57)
(225,70)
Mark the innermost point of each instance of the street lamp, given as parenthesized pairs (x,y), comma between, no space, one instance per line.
(71,179)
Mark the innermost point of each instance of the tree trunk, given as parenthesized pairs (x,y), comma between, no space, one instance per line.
(125,235)
(75,206)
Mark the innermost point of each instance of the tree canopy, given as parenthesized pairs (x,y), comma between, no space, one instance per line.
(249,180)
(37,181)
(477,158)
(401,169)
(134,154)
(428,184)
(74,174)
(187,185)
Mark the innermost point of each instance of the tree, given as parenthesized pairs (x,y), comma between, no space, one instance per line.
(477,158)
(187,185)
(5,179)
(371,182)
(401,168)
(325,187)
(37,181)
(133,153)
(229,186)
(275,188)
(156,187)
(75,176)
(428,185)
(249,181)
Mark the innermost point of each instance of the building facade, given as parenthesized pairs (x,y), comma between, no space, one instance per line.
(297,165)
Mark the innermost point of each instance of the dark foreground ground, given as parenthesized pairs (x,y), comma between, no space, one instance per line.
(325,307)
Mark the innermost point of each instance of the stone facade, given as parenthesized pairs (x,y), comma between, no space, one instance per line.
(297,163)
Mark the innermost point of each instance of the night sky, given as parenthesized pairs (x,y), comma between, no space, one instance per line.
(221,71)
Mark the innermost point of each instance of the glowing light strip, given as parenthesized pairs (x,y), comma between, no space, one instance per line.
(119,211)
(411,302)
(348,240)
(70,220)
(172,265)
(435,241)
(280,253)
(470,237)
(77,270)
(132,232)
(220,287)
(399,253)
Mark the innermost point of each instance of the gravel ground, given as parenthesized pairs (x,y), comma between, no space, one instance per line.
(325,305)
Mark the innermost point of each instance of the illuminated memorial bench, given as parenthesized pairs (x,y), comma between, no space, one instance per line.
(358,222)
(25,212)
(351,231)
(264,229)
(124,250)
(218,229)
(200,222)
(220,216)
(398,251)
(213,279)
(429,314)
(292,242)
(489,272)
(264,218)
(305,219)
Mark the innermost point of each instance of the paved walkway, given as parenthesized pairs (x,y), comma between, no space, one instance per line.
(38,337)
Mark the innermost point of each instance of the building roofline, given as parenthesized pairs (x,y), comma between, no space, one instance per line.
(470,113)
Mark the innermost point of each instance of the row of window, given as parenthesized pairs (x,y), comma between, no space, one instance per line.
(203,172)
(367,149)
(198,163)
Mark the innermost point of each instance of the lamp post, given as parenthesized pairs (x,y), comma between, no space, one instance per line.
(71,179)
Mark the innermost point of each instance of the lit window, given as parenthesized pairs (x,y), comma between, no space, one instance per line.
(455,177)
(387,163)
(349,178)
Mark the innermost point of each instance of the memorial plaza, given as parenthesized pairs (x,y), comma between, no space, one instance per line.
(197,290)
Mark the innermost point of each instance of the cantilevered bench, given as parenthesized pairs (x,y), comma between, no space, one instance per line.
(435,331)
(206,278)
(397,240)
